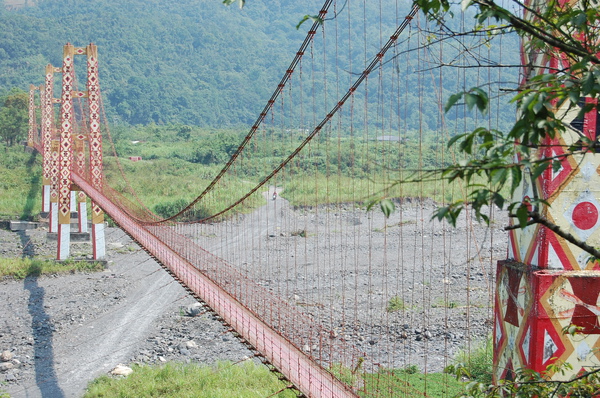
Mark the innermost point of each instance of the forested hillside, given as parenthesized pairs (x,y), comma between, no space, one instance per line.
(194,62)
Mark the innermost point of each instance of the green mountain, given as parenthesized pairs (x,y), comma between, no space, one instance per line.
(191,61)
(198,62)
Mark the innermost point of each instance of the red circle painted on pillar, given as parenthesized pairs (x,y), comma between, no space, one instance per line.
(585,215)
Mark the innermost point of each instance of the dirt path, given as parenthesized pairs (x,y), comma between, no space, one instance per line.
(65,331)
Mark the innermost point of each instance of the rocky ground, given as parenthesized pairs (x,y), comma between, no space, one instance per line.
(57,333)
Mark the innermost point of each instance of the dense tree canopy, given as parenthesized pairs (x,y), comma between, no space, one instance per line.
(14,117)
(194,62)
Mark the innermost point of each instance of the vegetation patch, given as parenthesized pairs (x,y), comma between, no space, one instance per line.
(396,304)
(174,380)
(409,381)
(477,362)
(20,268)
(20,183)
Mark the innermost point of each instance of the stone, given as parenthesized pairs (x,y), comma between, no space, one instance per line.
(10,377)
(121,370)
(6,356)
(191,344)
(193,309)
(4,366)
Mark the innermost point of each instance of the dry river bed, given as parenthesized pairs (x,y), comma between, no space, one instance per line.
(64,331)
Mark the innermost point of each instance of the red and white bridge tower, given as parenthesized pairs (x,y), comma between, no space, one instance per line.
(547,284)
(64,152)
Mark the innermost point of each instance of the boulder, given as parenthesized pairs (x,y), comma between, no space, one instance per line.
(121,370)
(191,344)
(6,356)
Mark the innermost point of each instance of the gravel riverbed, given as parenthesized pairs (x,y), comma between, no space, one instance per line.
(64,331)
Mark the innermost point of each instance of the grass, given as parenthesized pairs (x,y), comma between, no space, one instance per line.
(173,380)
(166,186)
(410,382)
(20,268)
(442,303)
(395,304)
(478,362)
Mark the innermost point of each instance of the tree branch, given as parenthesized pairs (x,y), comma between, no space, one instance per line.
(546,37)
(537,218)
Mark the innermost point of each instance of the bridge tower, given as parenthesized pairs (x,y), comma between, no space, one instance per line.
(72,153)
(49,149)
(32,132)
(548,284)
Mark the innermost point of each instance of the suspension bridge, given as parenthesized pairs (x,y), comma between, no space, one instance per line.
(280,246)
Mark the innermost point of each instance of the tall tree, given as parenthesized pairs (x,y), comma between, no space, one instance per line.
(14,117)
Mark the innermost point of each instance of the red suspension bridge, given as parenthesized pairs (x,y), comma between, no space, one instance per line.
(336,298)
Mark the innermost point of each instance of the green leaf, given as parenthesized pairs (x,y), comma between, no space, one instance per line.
(454,139)
(522,215)
(539,169)
(498,200)
(482,99)
(470,100)
(556,165)
(230,2)
(387,207)
(314,18)
(452,100)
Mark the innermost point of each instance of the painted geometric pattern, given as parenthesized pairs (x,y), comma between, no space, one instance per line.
(47,123)
(533,308)
(32,122)
(54,161)
(572,191)
(66,145)
(95,136)
(513,302)
(79,153)
(524,244)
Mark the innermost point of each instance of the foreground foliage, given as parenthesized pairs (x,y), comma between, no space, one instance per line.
(528,383)
(251,380)
(561,30)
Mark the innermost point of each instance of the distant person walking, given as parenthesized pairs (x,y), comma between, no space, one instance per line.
(274,195)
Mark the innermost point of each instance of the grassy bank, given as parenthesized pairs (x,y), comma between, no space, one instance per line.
(20,268)
(248,380)
(222,380)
